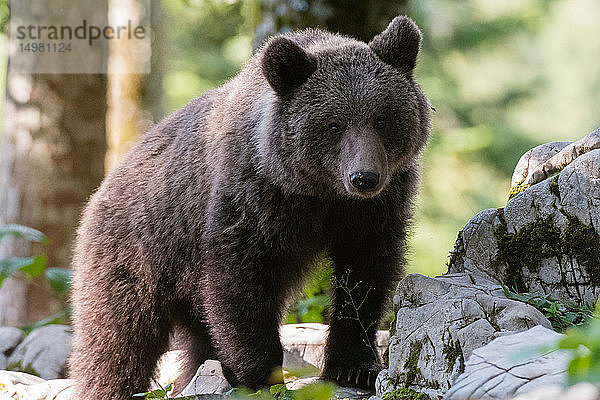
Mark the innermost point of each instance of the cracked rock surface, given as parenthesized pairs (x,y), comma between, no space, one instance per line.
(550,158)
(440,322)
(546,240)
(512,365)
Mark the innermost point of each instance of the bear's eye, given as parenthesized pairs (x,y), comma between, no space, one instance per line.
(334,127)
(380,121)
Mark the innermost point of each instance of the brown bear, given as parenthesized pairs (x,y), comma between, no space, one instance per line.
(212,221)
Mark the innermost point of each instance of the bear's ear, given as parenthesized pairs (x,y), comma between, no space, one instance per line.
(398,45)
(286,65)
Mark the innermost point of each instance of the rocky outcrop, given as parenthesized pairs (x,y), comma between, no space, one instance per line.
(44,352)
(303,344)
(22,386)
(9,339)
(545,241)
(209,379)
(512,365)
(440,322)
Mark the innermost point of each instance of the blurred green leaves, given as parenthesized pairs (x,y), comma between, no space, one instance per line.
(31,266)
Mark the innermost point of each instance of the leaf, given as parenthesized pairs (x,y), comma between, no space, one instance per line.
(23,232)
(60,280)
(10,265)
(278,391)
(36,267)
(315,391)
(61,317)
(32,266)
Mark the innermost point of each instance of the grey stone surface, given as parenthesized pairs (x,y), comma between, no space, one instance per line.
(512,365)
(9,339)
(564,157)
(580,391)
(22,386)
(209,379)
(303,344)
(440,322)
(562,273)
(44,351)
(533,159)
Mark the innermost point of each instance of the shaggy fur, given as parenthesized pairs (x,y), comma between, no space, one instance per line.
(214,219)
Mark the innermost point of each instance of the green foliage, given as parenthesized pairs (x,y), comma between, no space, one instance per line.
(23,232)
(313,391)
(59,279)
(18,367)
(161,393)
(62,317)
(210,43)
(499,74)
(583,343)
(31,266)
(404,394)
(314,304)
(562,315)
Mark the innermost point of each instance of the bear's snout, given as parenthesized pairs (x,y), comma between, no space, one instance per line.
(364,181)
(363,163)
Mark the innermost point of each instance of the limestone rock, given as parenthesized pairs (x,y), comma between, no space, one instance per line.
(512,365)
(209,379)
(534,158)
(9,339)
(304,343)
(546,240)
(22,386)
(580,391)
(44,352)
(564,157)
(440,322)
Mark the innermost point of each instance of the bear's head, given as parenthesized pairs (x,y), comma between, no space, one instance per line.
(348,115)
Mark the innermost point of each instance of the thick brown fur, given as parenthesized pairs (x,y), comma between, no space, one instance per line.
(213,220)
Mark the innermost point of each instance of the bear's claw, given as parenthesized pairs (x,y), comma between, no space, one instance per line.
(361,377)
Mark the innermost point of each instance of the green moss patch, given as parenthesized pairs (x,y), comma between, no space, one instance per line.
(526,248)
(554,189)
(515,190)
(457,255)
(453,353)
(583,242)
(411,363)
(18,367)
(543,239)
(404,394)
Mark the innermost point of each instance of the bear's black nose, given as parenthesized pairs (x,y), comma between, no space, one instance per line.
(364,180)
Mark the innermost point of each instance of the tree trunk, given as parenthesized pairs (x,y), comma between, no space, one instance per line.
(134,100)
(51,157)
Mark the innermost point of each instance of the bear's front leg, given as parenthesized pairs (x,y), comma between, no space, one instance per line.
(365,271)
(243,301)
